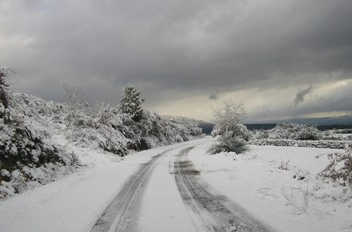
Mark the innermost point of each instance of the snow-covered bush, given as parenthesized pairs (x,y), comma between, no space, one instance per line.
(232,134)
(340,167)
(295,132)
(237,130)
(229,144)
(289,134)
(260,134)
(152,129)
(28,154)
(299,143)
(29,149)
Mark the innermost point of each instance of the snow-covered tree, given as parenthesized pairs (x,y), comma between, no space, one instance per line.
(4,97)
(229,121)
(73,91)
(131,103)
(228,125)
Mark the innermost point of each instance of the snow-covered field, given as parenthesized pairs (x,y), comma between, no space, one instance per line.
(266,181)
(276,185)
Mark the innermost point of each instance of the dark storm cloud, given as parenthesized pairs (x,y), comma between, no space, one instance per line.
(301,95)
(182,47)
(213,97)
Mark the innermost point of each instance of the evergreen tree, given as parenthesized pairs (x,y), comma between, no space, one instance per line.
(4,97)
(131,103)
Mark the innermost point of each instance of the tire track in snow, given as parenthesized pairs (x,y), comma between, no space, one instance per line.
(209,209)
(122,213)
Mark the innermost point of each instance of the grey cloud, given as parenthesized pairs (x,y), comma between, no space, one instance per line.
(213,96)
(301,95)
(177,46)
(337,102)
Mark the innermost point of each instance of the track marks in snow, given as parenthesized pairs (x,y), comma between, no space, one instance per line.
(210,210)
(121,214)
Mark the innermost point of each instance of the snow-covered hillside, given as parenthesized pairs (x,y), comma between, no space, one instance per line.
(37,137)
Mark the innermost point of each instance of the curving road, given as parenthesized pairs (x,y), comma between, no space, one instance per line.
(206,211)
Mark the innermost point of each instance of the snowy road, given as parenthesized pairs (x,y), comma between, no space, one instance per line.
(206,211)
(181,188)
(147,191)
(121,214)
(210,209)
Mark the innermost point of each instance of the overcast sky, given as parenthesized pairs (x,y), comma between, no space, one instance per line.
(281,59)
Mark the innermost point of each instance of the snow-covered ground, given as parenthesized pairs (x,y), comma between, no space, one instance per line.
(265,181)
(261,181)
(75,202)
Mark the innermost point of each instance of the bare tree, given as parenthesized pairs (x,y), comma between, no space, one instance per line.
(73,91)
(229,119)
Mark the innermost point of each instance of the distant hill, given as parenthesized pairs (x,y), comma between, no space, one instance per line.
(207,127)
(260,126)
(344,120)
(321,123)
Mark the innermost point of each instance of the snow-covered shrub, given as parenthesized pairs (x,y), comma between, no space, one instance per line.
(295,132)
(260,134)
(28,156)
(229,144)
(29,150)
(104,127)
(340,167)
(284,165)
(309,133)
(152,129)
(237,130)
(299,143)
(298,197)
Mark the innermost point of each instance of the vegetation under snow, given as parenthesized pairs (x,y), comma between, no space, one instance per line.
(32,151)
